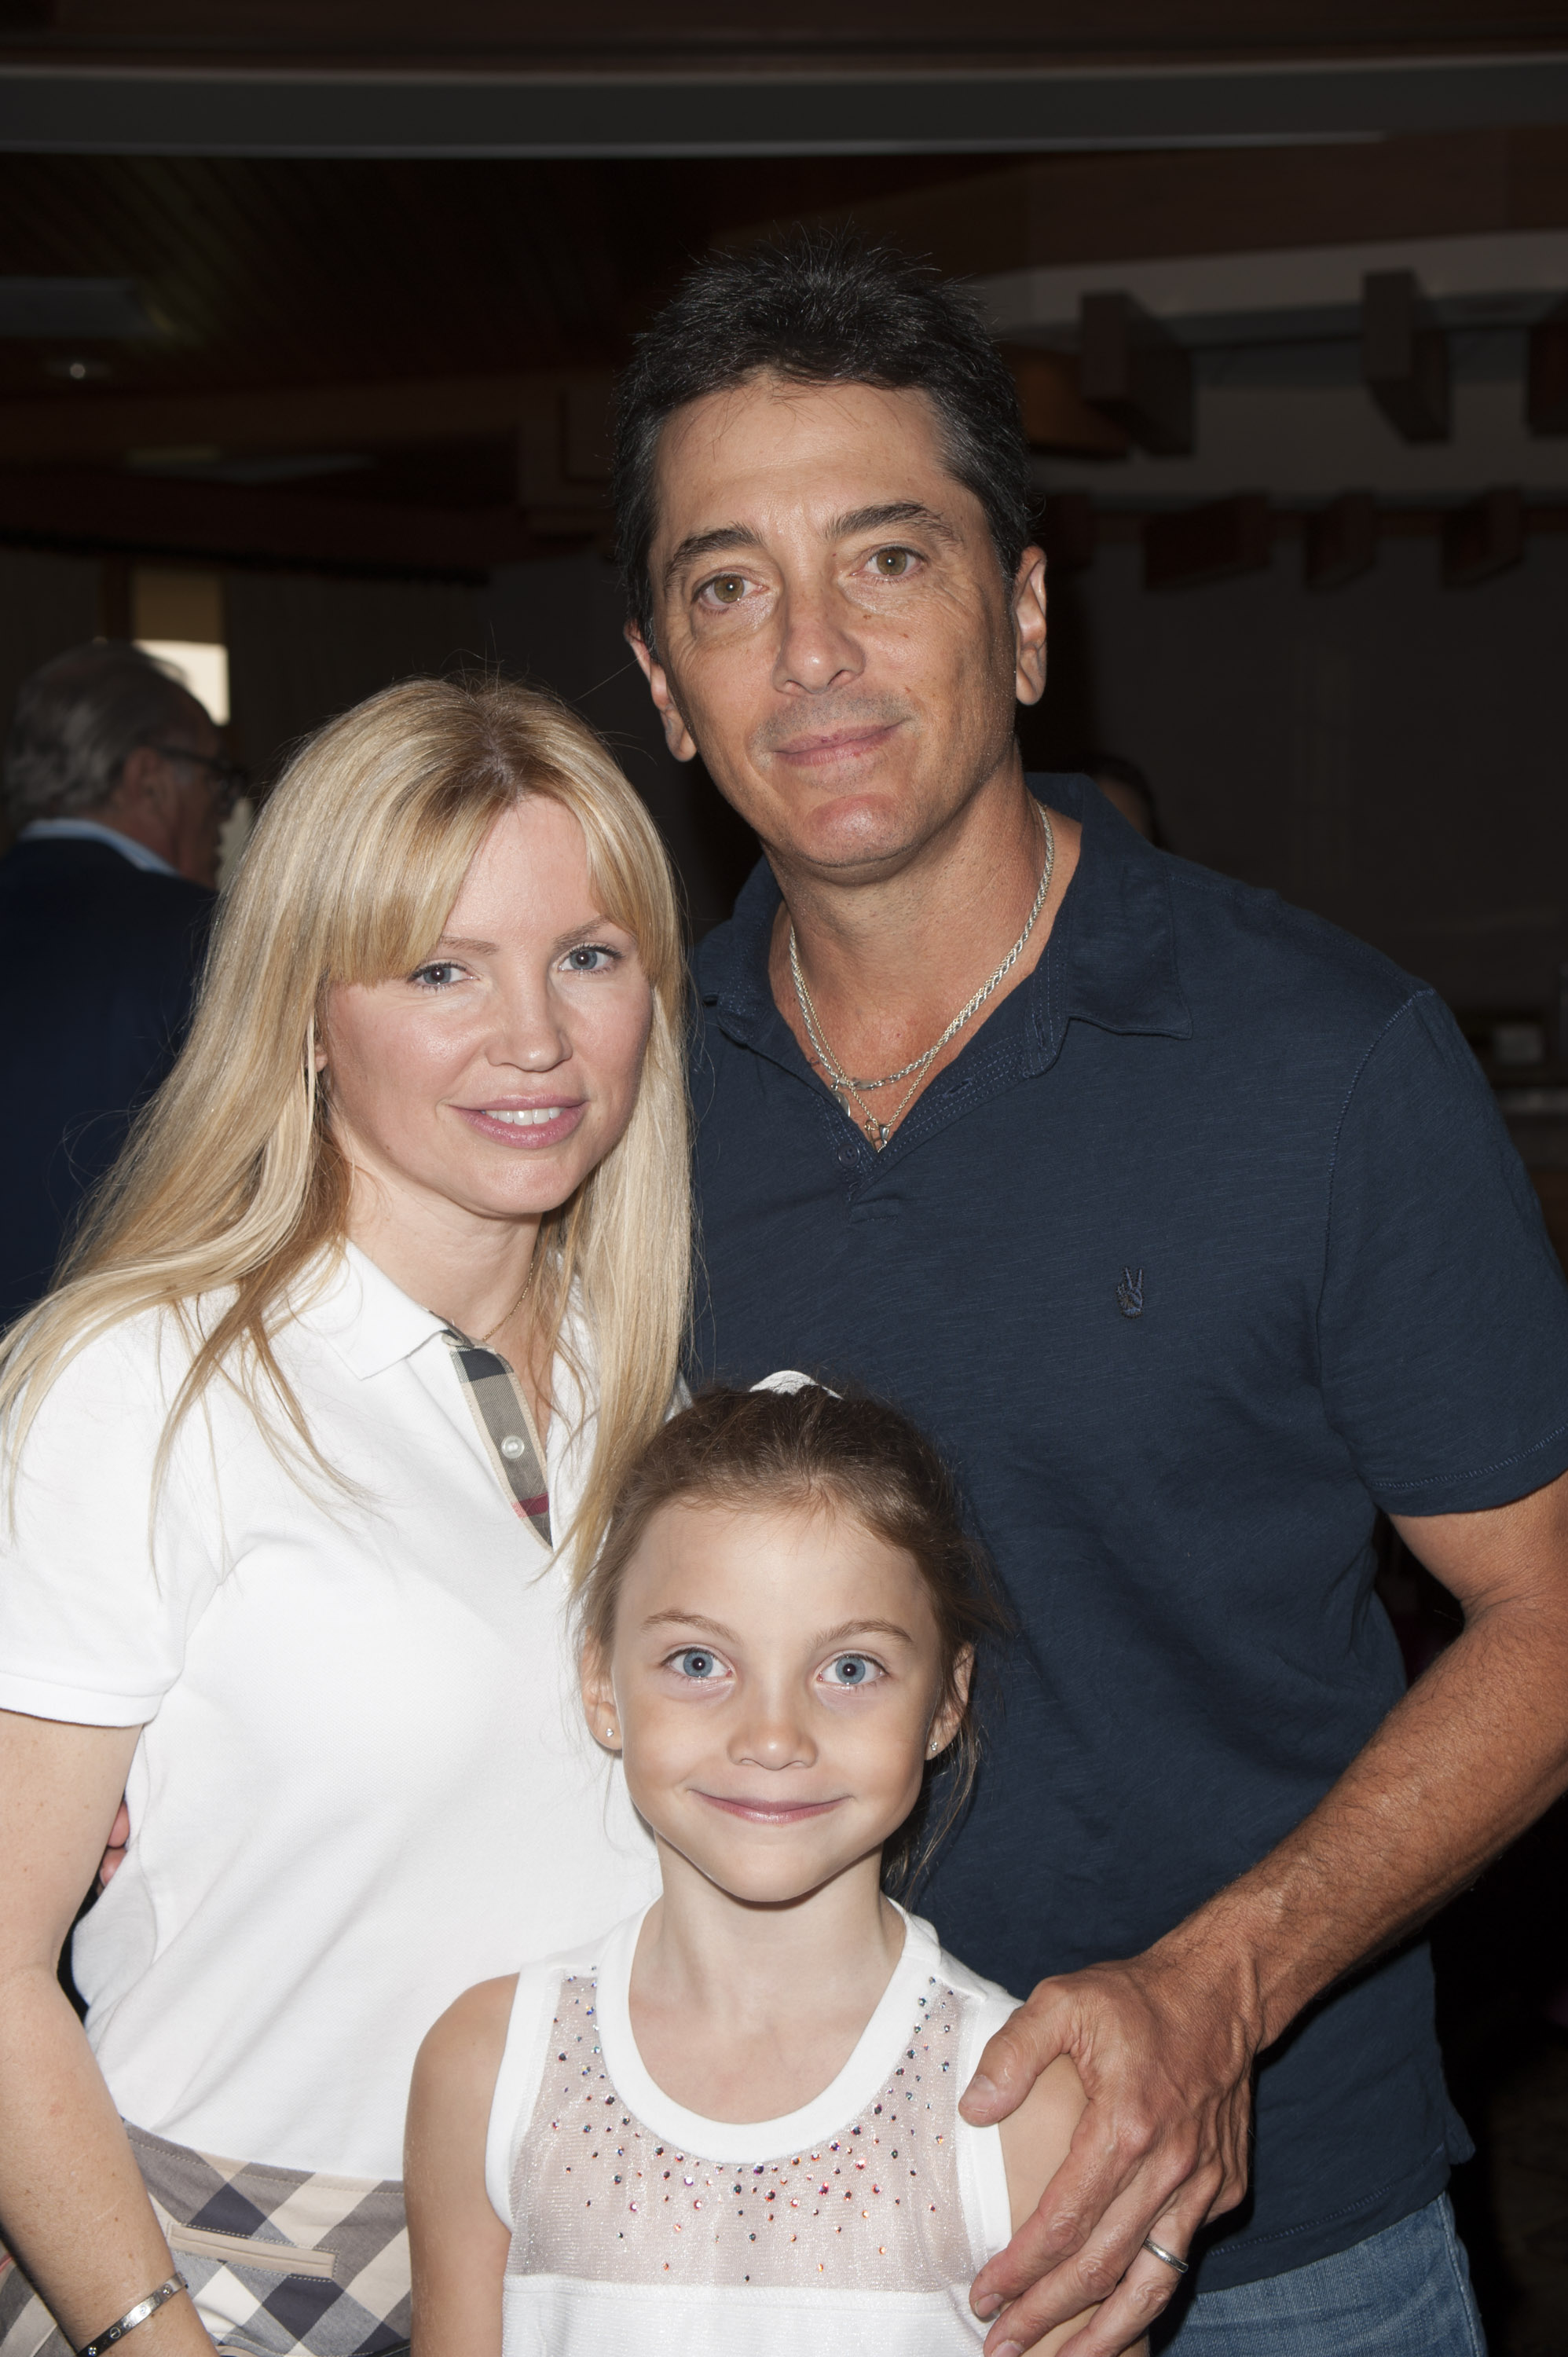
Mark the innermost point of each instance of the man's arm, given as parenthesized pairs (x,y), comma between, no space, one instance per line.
(1165,2042)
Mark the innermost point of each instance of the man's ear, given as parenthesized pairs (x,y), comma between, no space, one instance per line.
(1029,626)
(144,782)
(677,736)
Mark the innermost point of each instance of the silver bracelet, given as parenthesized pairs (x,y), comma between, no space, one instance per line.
(134,2316)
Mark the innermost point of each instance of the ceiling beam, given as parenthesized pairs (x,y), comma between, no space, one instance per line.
(561,417)
(1483,539)
(1546,382)
(81,425)
(75,110)
(1404,356)
(1191,546)
(150,516)
(1056,416)
(1130,366)
(1339,541)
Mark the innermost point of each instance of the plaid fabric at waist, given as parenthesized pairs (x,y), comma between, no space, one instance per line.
(281,2262)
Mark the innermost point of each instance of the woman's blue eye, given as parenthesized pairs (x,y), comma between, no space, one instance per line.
(585,958)
(436,975)
(696,1663)
(851,1670)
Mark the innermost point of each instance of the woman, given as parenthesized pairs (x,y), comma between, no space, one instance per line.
(385,1293)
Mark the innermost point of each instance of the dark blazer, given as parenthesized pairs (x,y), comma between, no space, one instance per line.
(98,961)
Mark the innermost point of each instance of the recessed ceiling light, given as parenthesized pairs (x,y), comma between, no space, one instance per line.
(78,371)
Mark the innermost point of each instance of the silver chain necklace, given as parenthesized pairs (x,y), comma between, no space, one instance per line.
(843,1087)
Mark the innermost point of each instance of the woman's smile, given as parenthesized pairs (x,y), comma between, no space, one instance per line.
(526,1124)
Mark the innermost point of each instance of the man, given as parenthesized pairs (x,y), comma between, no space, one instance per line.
(117,786)
(1187,1225)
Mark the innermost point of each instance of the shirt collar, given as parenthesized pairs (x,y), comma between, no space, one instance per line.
(368,1320)
(88,830)
(1111,960)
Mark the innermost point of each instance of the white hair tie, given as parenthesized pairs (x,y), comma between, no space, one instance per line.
(787,1379)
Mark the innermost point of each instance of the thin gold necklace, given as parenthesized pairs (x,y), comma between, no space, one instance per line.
(843,1087)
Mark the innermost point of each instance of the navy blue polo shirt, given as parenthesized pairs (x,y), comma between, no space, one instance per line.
(1208,1244)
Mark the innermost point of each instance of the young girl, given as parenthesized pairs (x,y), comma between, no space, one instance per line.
(730,2124)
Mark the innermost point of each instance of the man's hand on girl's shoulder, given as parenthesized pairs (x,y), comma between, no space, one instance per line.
(1150,2143)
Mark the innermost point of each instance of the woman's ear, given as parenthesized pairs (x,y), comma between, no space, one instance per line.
(955,1703)
(598,1697)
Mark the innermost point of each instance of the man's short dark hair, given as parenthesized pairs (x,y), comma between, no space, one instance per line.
(822,309)
(79,717)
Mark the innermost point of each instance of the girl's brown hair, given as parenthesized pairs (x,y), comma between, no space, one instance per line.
(741,1450)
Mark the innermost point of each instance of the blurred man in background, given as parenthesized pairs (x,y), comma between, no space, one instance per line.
(115,786)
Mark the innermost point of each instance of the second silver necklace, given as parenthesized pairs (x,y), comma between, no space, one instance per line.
(843,1087)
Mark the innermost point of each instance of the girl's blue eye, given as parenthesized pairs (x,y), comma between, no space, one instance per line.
(695,1662)
(851,1670)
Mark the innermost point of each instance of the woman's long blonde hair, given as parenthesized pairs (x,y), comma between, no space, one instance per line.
(232,1185)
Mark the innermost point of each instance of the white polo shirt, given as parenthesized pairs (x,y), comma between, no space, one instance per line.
(363,1782)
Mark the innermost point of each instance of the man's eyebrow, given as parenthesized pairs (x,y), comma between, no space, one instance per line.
(709,544)
(891,513)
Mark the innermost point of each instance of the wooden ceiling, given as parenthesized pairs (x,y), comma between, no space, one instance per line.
(376,330)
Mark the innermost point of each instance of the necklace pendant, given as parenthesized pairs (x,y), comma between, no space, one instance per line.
(877,1131)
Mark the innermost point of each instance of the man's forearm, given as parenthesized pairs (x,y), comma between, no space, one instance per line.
(1463,1763)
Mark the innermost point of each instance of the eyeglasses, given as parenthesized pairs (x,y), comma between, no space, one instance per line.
(229,778)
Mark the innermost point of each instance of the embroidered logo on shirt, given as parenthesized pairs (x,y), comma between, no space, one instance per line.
(1130,1294)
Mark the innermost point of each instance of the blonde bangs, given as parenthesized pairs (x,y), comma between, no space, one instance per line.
(231,1186)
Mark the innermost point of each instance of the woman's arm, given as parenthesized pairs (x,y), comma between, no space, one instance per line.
(72,2205)
(458,2243)
(1035,2141)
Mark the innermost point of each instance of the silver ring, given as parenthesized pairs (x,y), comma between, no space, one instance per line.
(1170,2257)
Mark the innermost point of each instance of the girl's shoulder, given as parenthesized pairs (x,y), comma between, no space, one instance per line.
(1034,2138)
(461,2053)
(480,2068)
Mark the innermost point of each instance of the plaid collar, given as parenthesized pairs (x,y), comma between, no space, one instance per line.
(505,1427)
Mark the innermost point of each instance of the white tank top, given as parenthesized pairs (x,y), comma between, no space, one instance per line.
(858,2222)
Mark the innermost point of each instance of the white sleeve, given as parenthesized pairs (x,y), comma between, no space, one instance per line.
(982,2167)
(518,2079)
(97,1598)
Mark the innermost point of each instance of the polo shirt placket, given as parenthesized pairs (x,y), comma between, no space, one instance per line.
(1207,1245)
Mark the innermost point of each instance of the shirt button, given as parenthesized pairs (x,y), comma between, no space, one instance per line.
(512,1446)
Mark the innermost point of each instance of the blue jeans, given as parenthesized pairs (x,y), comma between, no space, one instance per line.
(1402,2293)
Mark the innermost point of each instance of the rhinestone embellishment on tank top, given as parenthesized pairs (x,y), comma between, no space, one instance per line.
(598,2194)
